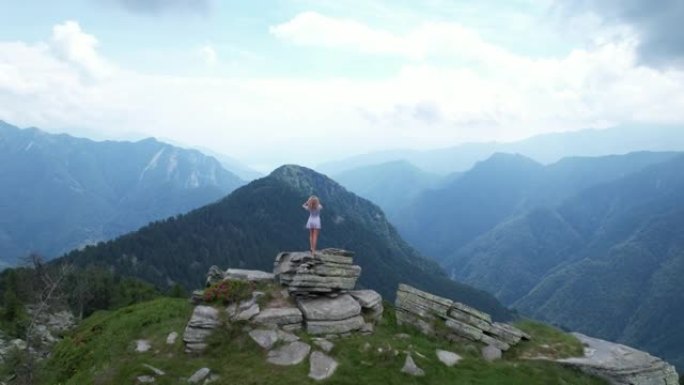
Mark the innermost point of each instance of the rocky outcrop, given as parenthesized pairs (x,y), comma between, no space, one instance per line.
(317,296)
(330,271)
(321,285)
(621,365)
(202,323)
(215,274)
(48,329)
(436,315)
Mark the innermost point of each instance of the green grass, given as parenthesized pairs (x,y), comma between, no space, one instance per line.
(101,352)
(547,341)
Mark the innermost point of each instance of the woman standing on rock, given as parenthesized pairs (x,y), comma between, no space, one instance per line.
(314,206)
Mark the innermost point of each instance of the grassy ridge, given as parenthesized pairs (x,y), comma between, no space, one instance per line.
(101,351)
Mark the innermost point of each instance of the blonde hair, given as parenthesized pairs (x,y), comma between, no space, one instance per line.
(313,202)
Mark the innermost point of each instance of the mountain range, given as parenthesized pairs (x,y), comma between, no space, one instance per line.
(250,226)
(590,244)
(545,149)
(390,185)
(60,192)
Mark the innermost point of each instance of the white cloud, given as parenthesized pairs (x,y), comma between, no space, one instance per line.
(491,93)
(208,54)
(75,46)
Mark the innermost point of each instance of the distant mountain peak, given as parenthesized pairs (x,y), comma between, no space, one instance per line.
(291,170)
(501,161)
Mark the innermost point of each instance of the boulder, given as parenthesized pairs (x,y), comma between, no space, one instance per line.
(205,317)
(247,314)
(321,366)
(448,358)
(411,368)
(286,337)
(491,353)
(214,275)
(142,346)
(374,313)
(202,323)
(329,309)
(324,344)
(620,364)
(368,299)
(290,354)
(335,327)
(171,338)
(265,338)
(279,316)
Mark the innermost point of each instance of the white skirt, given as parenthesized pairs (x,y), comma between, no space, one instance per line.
(313,223)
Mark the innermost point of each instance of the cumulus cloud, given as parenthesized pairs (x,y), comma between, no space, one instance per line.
(658,24)
(429,39)
(73,45)
(154,7)
(491,94)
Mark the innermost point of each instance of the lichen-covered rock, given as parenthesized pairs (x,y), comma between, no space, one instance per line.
(335,327)
(321,366)
(368,299)
(328,271)
(290,354)
(622,365)
(426,311)
(202,323)
(279,316)
(265,338)
(329,309)
(448,358)
(411,368)
(491,353)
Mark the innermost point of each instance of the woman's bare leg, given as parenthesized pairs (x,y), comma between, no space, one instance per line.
(311,240)
(315,239)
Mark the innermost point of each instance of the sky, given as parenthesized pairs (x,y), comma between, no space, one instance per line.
(301,81)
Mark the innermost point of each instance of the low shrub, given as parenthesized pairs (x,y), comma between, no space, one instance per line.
(228,291)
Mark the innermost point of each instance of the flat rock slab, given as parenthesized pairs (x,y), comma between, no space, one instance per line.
(199,376)
(335,327)
(247,314)
(279,316)
(329,309)
(491,353)
(248,275)
(622,364)
(321,366)
(324,344)
(317,283)
(367,298)
(411,368)
(265,338)
(290,354)
(286,337)
(448,358)
(205,317)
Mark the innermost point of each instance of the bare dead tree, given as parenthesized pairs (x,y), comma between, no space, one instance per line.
(47,284)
